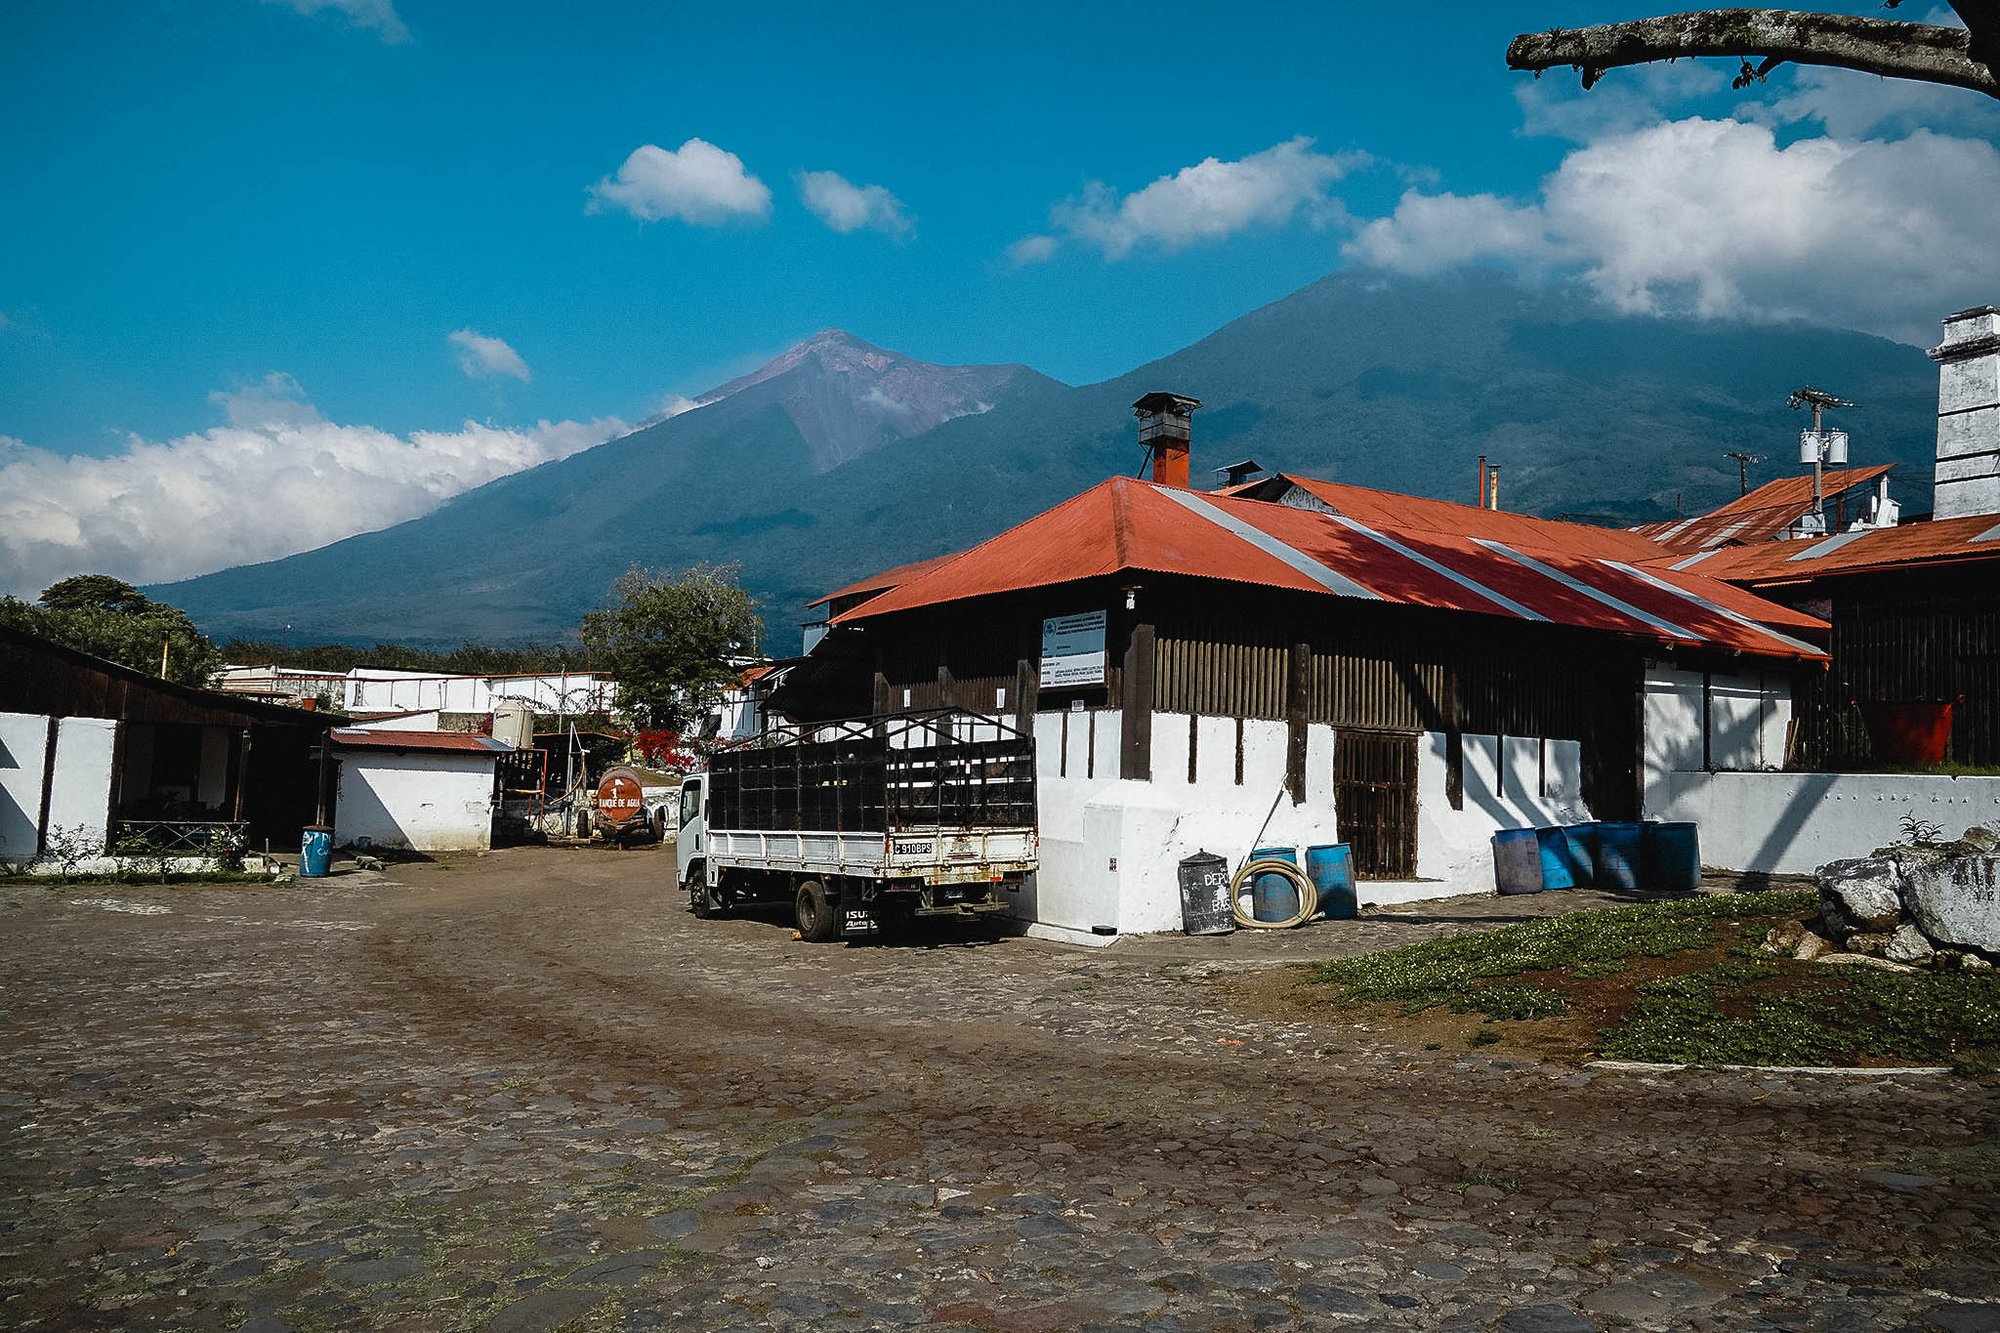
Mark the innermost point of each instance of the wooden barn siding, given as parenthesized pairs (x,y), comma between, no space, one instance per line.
(1921,637)
(1225,652)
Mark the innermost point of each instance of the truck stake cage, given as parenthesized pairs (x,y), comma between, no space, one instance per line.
(864,823)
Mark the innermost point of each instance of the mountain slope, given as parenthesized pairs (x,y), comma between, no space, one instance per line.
(1392,383)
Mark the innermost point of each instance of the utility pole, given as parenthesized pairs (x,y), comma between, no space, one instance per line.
(1819,400)
(1743,462)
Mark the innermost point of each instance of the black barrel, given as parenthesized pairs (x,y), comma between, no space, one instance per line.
(1205,905)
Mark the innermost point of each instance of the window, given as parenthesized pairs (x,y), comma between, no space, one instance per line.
(690,803)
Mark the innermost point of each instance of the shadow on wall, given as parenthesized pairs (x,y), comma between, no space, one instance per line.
(1789,821)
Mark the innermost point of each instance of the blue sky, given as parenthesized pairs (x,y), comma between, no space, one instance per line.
(402,226)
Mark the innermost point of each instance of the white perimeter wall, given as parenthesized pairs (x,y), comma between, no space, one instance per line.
(1791,823)
(1111,848)
(80,795)
(425,802)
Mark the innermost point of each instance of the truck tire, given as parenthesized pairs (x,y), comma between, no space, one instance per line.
(703,901)
(818,916)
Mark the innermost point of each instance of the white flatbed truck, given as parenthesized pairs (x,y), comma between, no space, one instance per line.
(864,825)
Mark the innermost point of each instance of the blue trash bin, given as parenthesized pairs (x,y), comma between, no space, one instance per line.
(1273,897)
(1558,862)
(1331,870)
(316,852)
(1517,861)
(1583,852)
(1618,855)
(1670,858)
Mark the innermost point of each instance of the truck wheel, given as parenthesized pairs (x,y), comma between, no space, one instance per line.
(817,917)
(704,902)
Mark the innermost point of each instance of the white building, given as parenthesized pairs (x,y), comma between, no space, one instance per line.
(424,791)
(380,690)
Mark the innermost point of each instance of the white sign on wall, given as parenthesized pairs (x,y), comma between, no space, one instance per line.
(1073,651)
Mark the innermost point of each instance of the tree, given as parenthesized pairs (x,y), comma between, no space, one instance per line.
(670,638)
(108,617)
(1967,57)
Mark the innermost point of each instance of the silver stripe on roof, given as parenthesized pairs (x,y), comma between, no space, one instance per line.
(1828,545)
(1443,571)
(1694,559)
(1331,580)
(1716,607)
(1623,608)
(1991,534)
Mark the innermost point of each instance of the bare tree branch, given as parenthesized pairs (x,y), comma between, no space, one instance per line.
(1919,51)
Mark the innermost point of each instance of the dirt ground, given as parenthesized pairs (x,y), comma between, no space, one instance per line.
(528,1091)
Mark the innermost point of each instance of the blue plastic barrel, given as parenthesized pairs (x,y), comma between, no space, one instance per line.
(1558,862)
(1273,897)
(316,852)
(1517,861)
(1331,869)
(1670,857)
(1583,852)
(1619,855)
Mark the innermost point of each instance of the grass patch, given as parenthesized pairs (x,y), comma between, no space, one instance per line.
(1457,971)
(1680,982)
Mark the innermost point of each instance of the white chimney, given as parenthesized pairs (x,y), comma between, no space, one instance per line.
(1968,438)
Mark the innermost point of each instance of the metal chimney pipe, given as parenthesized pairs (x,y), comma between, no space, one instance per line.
(1482,481)
(1493,480)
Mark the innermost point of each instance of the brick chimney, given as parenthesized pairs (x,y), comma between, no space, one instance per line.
(1968,437)
(1165,430)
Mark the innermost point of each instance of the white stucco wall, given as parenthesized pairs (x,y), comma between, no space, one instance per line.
(81,794)
(1746,720)
(1789,823)
(1542,786)
(427,802)
(1111,847)
(24,739)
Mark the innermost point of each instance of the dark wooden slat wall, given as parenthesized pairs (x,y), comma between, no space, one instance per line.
(1231,651)
(1921,636)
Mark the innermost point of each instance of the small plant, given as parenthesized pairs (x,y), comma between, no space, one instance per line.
(68,846)
(1918,829)
(135,853)
(1485,1037)
(226,848)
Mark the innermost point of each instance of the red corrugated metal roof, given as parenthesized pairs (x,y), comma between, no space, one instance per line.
(1762,515)
(1557,572)
(886,580)
(1520,530)
(463,742)
(1951,539)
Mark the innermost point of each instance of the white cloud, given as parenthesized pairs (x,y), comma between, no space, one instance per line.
(697,183)
(380,15)
(1031,250)
(1211,200)
(1714,218)
(277,479)
(479,356)
(847,207)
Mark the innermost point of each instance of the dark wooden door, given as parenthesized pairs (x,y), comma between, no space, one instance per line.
(1375,798)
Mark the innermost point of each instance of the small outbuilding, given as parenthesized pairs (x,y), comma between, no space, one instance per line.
(96,753)
(420,791)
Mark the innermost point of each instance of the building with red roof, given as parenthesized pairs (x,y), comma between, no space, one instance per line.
(1293,662)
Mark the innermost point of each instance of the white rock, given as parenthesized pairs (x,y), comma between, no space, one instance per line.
(1908,945)
(1866,890)
(1957,901)
(1863,960)
(1810,946)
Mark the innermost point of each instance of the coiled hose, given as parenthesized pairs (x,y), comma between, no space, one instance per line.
(1271,865)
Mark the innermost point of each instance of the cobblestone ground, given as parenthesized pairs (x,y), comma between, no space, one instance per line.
(528,1092)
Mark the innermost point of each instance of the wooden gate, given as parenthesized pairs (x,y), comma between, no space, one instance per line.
(1375,796)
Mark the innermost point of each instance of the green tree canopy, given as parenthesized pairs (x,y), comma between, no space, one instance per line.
(108,617)
(671,640)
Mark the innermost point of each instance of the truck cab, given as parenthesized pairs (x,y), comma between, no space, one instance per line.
(690,847)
